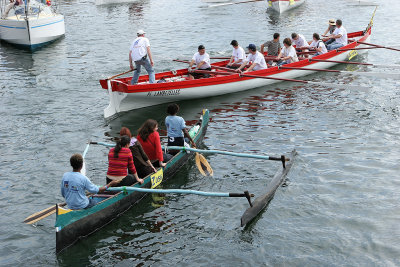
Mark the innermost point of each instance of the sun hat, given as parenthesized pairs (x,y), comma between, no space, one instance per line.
(140,32)
(332,22)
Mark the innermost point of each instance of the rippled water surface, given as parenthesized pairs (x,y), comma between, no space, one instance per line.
(341,205)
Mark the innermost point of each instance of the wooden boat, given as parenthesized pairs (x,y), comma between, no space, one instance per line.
(30,25)
(175,86)
(72,225)
(281,6)
(261,202)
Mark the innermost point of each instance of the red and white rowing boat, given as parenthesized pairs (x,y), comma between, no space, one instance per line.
(176,86)
(281,6)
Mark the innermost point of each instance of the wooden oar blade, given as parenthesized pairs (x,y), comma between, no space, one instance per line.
(203,165)
(40,215)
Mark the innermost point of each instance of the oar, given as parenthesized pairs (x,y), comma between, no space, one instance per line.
(50,210)
(341,86)
(379,46)
(235,3)
(246,194)
(365,73)
(356,63)
(203,165)
(243,155)
(115,76)
(356,48)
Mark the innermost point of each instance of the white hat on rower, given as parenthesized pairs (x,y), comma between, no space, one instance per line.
(332,22)
(140,32)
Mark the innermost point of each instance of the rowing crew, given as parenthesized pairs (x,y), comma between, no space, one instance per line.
(129,161)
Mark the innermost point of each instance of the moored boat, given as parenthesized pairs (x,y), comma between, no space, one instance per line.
(281,6)
(176,86)
(31,24)
(72,225)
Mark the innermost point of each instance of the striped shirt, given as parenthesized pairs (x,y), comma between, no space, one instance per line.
(119,166)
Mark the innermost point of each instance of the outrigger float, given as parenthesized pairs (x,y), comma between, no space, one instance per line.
(175,85)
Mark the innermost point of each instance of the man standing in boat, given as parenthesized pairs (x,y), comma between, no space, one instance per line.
(74,185)
(238,55)
(257,59)
(140,53)
(202,61)
(340,36)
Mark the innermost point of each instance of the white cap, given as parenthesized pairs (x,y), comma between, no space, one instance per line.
(140,32)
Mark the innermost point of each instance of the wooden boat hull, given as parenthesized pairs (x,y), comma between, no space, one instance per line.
(74,225)
(281,6)
(262,201)
(125,97)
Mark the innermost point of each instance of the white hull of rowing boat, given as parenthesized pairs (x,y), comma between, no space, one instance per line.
(122,102)
(285,5)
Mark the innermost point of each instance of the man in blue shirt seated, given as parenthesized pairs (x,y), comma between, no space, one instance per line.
(176,128)
(74,184)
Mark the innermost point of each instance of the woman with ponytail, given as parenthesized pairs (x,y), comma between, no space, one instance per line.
(119,161)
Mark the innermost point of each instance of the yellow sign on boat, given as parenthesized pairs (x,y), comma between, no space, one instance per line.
(269,3)
(291,2)
(157,178)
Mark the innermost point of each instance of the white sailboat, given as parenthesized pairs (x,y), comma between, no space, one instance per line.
(29,23)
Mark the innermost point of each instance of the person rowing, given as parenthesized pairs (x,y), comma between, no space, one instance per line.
(318,45)
(340,36)
(288,53)
(273,47)
(331,29)
(300,41)
(256,58)
(120,159)
(238,55)
(142,163)
(74,186)
(202,61)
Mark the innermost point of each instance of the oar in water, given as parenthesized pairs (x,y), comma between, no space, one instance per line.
(365,73)
(341,86)
(50,210)
(234,3)
(379,46)
(246,194)
(356,63)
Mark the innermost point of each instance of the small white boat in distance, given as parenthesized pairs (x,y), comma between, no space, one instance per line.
(30,24)
(281,6)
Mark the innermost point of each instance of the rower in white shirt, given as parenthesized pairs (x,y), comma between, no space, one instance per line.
(300,41)
(202,61)
(319,45)
(288,54)
(238,55)
(257,59)
(340,36)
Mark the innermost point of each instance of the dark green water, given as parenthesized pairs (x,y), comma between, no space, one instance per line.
(341,203)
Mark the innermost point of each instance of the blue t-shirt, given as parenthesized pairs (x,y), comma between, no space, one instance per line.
(175,125)
(73,186)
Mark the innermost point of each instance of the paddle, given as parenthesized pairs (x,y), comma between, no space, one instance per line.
(246,194)
(115,76)
(376,74)
(341,86)
(356,63)
(378,46)
(235,3)
(50,210)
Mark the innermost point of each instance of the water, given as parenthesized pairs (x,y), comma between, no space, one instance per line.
(341,203)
